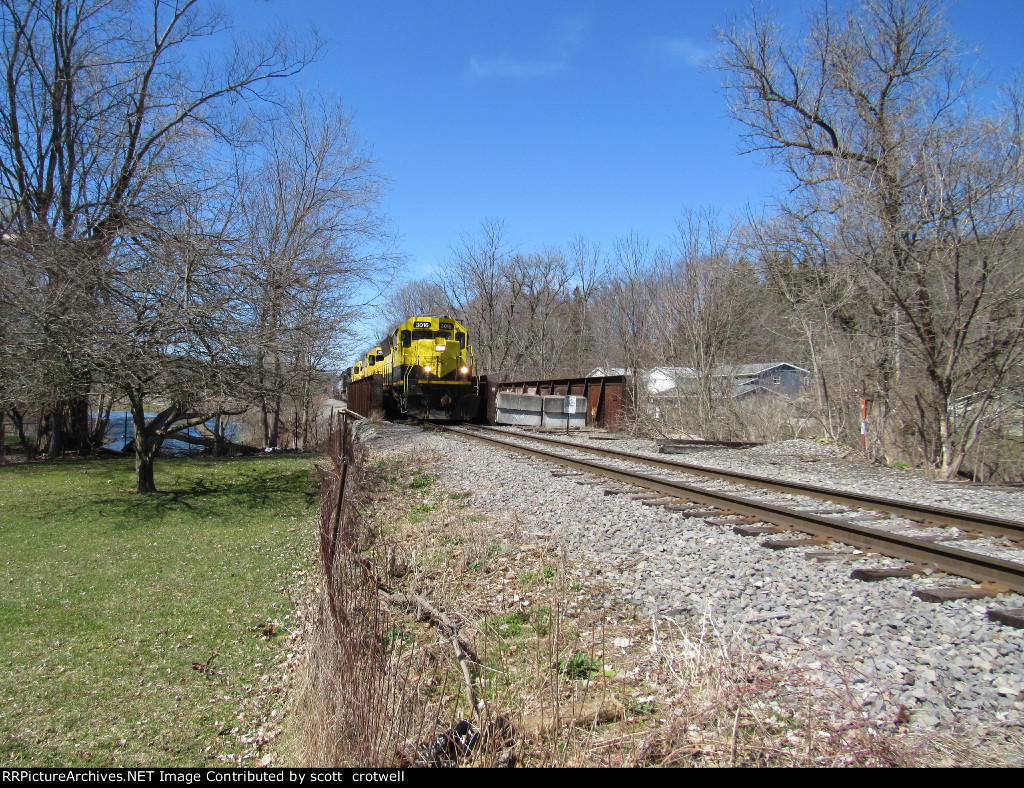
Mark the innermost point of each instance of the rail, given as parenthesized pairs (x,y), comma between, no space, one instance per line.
(976,566)
(994,526)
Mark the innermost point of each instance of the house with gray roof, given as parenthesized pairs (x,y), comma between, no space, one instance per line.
(738,381)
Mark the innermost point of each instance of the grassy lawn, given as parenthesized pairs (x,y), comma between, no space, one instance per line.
(144,630)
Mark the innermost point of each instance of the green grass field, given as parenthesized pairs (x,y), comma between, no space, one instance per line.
(137,630)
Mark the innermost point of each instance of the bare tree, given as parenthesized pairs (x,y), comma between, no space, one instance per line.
(818,308)
(588,270)
(479,281)
(105,106)
(167,316)
(526,312)
(698,311)
(540,335)
(312,247)
(416,297)
(629,295)
(870,115)
(623,312)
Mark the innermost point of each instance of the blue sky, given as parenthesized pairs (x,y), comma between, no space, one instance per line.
(561,118)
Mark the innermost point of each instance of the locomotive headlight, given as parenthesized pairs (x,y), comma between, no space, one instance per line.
(427,367)
(464,370)
(439,347)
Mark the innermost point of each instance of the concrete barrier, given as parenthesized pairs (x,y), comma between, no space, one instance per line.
(554,412)
(523,410)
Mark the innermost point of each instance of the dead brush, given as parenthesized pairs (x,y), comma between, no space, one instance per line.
(516,607)
(358,704)
(729,706)
(359,701)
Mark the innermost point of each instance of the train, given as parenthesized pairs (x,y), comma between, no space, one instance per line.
(426,370)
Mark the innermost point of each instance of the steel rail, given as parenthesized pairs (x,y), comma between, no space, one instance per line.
(964,563)
(994,526)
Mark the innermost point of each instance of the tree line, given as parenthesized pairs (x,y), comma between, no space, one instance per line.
(890,267)
(186,234)
(183,232)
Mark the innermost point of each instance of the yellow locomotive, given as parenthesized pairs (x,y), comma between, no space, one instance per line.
(426,369)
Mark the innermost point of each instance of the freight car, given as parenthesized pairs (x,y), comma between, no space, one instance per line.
(426,370)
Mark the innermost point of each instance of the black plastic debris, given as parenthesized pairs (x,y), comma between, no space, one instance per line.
(460,742)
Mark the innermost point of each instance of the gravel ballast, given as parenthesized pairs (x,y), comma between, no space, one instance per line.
(947,665)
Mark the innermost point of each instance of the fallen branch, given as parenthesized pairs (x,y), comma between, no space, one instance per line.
(462,648)
(619,740)
(438,617)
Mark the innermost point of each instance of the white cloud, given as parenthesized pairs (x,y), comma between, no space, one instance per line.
(503,68)
(563,41)
(686,50)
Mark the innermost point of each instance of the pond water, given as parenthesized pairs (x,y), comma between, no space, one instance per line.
(121,430)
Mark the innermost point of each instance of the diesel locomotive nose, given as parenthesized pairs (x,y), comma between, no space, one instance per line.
(423,368)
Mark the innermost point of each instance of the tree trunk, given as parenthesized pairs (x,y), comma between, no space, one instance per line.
(147,445)
(146,449)
(950,458)
(18,420)
(274,436)
(98,432)
(271,418)
(220,427)
(77,433)
(64,427)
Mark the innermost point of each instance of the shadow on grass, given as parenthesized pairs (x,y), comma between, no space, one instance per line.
(210,489)
(249,484)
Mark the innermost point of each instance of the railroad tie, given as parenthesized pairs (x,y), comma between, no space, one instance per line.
(874,575)
(1011,616)
(822,556)
(785,544)
(674,504)
(948,593)
(757,530)
(732,519)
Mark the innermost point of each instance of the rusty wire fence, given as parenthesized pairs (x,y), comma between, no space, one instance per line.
(359,704)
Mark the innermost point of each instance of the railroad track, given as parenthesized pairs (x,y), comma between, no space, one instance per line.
(744,500)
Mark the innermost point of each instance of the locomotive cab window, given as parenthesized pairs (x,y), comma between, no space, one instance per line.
(443,335)
(406,338)
(422,334)
(460,338)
